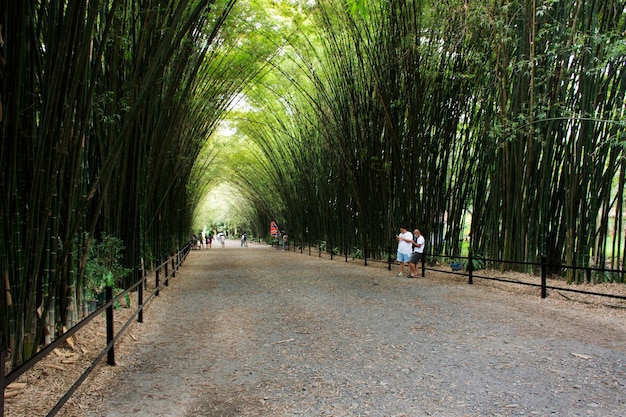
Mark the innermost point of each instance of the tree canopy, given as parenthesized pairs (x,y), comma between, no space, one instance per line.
(501,122)
(509,114)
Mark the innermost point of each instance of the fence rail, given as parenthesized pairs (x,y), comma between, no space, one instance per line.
(386,256)
(111,337)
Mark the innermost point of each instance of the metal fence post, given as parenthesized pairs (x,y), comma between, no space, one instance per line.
(110,322)
(389,258)
(423,266)
(544,272)
(140,296)
(470,268)
(3,359)
(156,281)
(166,280)
(346,253)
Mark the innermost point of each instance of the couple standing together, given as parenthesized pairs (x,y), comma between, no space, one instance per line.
(410,250)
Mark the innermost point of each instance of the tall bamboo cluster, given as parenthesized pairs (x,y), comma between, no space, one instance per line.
(372,143)
(99,135)
(365,116)
(507,113)
(552,182)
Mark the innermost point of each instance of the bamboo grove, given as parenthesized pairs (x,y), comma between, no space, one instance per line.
(507,113)
(363,115)
(105,106)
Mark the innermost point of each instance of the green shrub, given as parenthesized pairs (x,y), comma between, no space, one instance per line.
(103,265)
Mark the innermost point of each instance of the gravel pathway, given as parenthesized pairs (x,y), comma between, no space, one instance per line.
(260,332)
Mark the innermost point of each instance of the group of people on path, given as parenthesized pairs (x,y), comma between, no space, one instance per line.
(205,240)
(410,250)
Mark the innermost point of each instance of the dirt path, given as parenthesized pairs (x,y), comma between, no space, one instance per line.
(259,332)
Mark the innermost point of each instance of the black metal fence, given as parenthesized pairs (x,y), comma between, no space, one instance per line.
(467,265)
(162,274)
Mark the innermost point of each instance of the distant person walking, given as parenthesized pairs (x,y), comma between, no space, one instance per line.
(405,248)
(222,238)
(418,251)
(285,239)
(196,242)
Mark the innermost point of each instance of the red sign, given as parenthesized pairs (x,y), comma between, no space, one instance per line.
(273,228)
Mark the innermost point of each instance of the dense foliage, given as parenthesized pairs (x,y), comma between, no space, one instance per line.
(503,120)
(506,115)
(104,113)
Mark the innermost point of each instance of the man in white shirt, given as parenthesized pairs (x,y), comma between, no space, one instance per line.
(405,248)
(418,251)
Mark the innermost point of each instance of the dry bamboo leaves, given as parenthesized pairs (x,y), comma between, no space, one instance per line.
(14,389)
